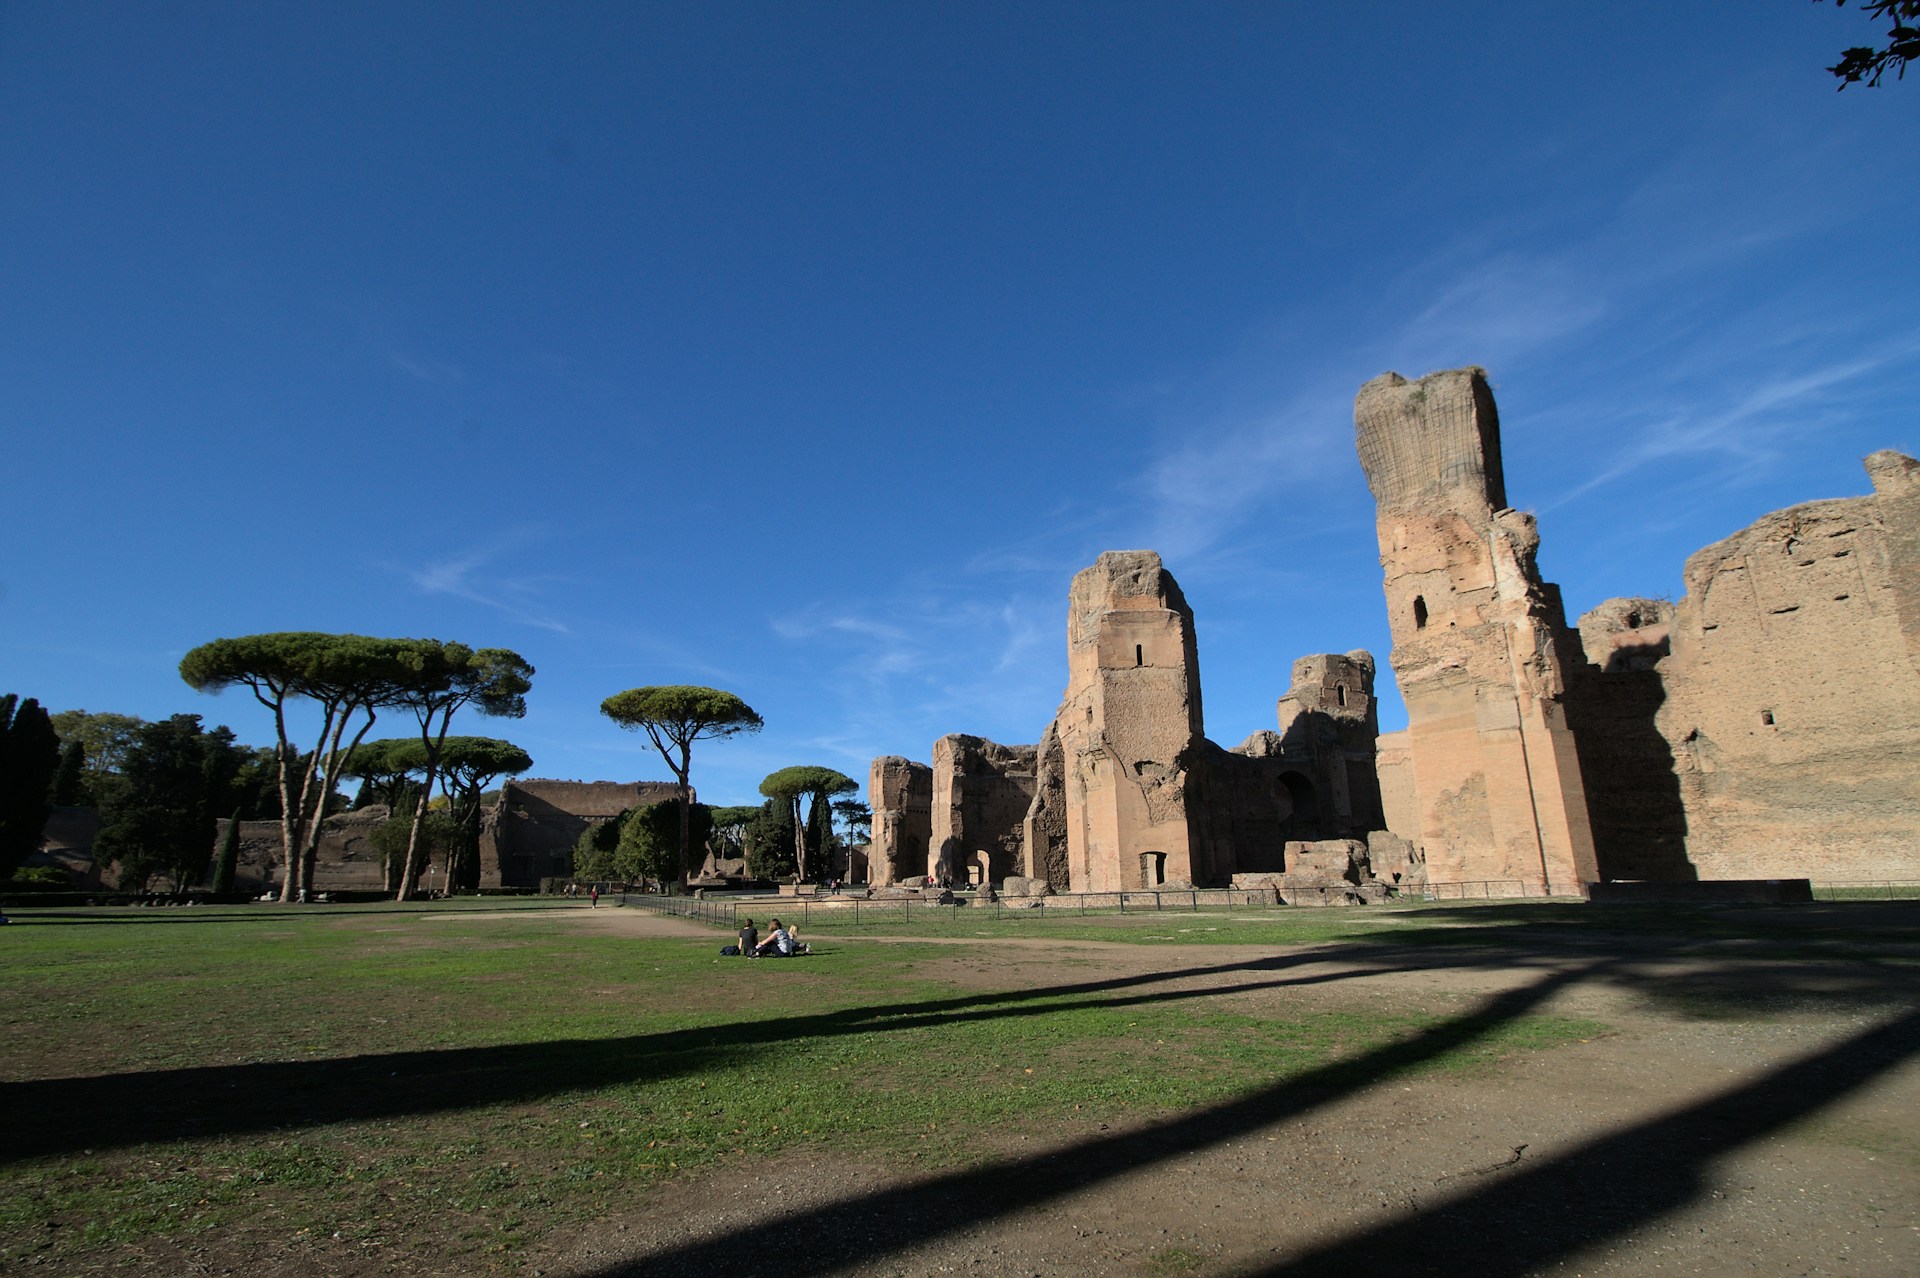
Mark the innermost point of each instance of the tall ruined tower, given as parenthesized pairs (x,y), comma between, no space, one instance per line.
(1116,783)
(1477,640)
(901,792)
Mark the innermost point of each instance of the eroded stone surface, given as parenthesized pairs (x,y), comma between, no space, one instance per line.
(1776,736)
(1128,730)
(900,793)
(1478,639)
(531,833)
(981,793)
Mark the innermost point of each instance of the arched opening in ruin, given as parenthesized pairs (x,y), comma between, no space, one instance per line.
(1419,612)
(1153,869)
(1303,820)
(1340,694)
(1633,621)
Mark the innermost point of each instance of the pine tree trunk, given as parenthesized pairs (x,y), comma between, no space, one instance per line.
(228,856)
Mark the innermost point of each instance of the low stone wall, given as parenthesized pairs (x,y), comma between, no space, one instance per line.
(1196,898)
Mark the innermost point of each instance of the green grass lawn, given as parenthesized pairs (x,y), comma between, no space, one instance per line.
(1787,931)
(406,1081)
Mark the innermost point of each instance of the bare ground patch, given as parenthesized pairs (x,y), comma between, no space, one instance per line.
(1759,1117)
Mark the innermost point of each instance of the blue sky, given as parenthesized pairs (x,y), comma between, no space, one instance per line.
(808,349)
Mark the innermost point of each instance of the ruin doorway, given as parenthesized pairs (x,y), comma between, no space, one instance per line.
(1153,869)
(1303,816)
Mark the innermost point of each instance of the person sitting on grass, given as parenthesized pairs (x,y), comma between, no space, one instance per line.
(779,942)
(749,938)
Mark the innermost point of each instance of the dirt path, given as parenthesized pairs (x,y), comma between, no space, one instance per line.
(608,917)
(1740,1115)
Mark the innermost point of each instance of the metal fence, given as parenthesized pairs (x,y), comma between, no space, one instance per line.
(1485,890)
(859,911)
(1868,890)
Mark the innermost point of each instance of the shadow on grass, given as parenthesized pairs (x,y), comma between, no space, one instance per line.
(60,1115)
(1515,1226)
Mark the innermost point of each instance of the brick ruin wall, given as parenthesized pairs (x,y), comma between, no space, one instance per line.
(1766,726)
(1129,730)
(1633,794)
(1123,792)
(981,793)
(1773,731)
(1393,766)
(535,826)
(1481,648)
(900,792)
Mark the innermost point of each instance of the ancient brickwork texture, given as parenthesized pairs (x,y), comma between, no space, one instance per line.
(346,860)
(1633,794)
(981,793)
(1393,765)
(538,823)
(1044,829)
(1129,731)
(900,793)
(1789,714)
(1328,718)
(1480,643)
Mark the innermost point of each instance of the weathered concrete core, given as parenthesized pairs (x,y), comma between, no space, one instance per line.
(1478,639)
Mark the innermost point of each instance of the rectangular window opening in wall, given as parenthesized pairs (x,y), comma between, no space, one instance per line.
(1766,717)
(1139,654)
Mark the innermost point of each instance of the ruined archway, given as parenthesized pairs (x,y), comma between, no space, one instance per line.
(1301,803)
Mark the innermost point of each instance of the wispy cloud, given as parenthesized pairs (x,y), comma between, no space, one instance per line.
(470,575)
(431,371)
(903,671)
(1743,433)
(1211,480)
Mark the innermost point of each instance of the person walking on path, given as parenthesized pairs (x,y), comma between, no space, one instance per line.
(593,897)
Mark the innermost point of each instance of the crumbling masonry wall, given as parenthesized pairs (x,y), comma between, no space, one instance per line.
(1313,780)
(900,792)
(1478,639)
(1784,708)
(1128,734)
(1633,794)
(534,828)
(981,793)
